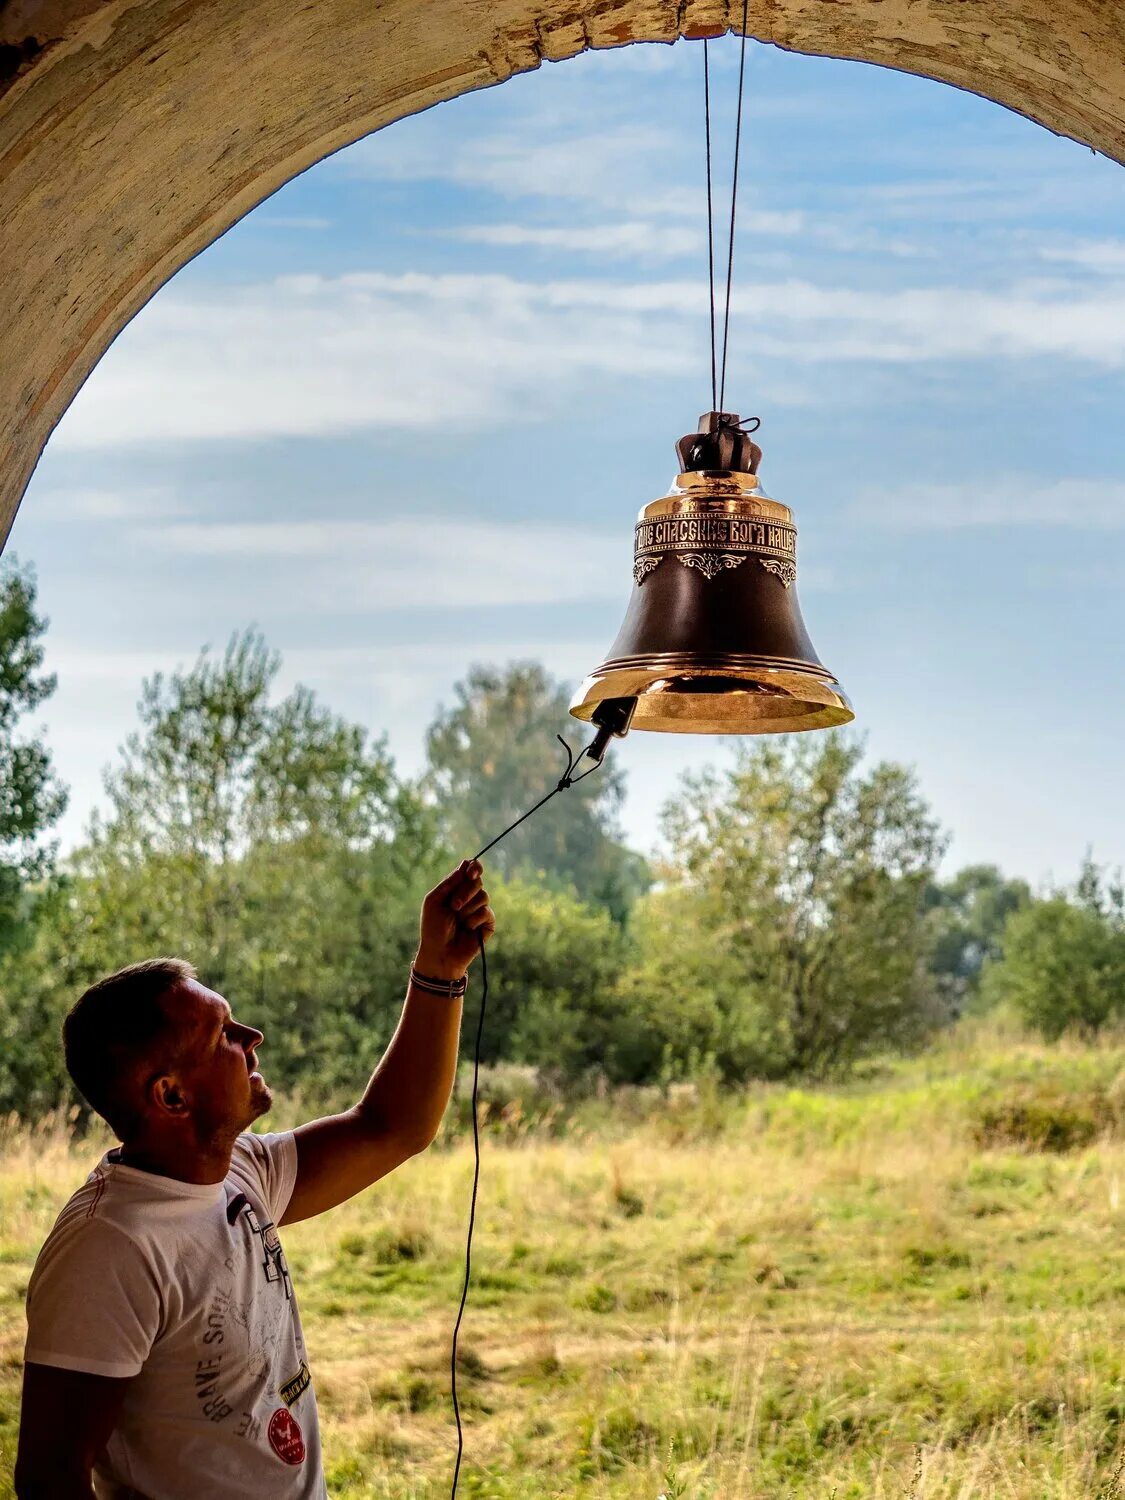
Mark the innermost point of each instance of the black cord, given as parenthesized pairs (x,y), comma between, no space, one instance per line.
(472,1217)
(564,782)
(733,203)
(568,779)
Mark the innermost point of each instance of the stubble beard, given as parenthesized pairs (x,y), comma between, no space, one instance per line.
(261,1098)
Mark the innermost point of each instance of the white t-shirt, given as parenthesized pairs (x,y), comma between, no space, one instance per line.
(185,1288)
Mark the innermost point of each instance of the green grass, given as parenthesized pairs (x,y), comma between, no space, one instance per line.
(848,1292)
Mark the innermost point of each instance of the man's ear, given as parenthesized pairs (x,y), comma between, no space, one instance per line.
(166,1094)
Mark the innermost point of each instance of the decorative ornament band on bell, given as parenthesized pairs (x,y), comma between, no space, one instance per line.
(713,641)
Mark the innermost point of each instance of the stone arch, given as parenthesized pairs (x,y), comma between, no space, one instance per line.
(134,132)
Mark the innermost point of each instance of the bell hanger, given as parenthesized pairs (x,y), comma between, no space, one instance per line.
(713,641)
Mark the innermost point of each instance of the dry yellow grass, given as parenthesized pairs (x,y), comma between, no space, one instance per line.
(803,1294)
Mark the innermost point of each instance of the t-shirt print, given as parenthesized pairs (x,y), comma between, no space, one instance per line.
(244,1333)
(196,1304)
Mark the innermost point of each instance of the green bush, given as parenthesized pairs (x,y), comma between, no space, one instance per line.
(551,980)
(511,1098)
(1062,965)
(1043,1119)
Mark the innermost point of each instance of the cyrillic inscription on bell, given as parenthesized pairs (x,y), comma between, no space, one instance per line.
(696,538)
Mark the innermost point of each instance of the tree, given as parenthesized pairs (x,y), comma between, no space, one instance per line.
(967,917)
(39,981)
(494,753)
(686,1004)
(1062,960)
(809,874)
(552,978)
(271,844)
(31,800)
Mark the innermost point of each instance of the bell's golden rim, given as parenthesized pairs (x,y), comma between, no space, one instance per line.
(717,498)
(748,507)
(680,694)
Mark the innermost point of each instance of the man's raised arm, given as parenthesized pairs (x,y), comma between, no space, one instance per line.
(401,1110)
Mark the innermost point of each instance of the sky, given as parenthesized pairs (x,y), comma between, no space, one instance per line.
(402,416)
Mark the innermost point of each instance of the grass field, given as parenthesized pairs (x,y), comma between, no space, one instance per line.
(884,1290)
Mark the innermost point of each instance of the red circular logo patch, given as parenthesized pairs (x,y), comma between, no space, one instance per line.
(286,1438)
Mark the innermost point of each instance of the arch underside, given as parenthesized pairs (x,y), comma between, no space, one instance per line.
(134,132)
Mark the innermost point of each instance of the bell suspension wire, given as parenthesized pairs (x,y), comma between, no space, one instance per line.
(733,205)
(567,780)
(710,218)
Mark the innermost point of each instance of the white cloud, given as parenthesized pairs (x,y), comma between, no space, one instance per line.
(1011,500)
(634,239)
(1107,256)
(623,168)
(135,503)
(630,240)
(991,189)
(311,355)
(591,166)
(597,159)
(423,562)
(314,354)
(94,671)
(783,223)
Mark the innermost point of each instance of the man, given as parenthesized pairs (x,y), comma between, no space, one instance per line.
(165,1358)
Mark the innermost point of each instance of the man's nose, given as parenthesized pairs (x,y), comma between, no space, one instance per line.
(252,1037)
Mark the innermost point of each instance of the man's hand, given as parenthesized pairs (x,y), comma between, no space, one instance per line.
(455,916)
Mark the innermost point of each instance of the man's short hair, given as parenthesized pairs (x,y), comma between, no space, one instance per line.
(118,1023)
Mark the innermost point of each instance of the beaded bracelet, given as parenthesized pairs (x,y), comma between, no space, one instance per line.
(452,988)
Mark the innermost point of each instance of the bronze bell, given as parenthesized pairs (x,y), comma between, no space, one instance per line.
(713,640)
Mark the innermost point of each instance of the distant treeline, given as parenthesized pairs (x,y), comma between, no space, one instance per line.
(793,924)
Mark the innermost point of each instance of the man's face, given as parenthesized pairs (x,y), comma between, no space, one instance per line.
(217,1062)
